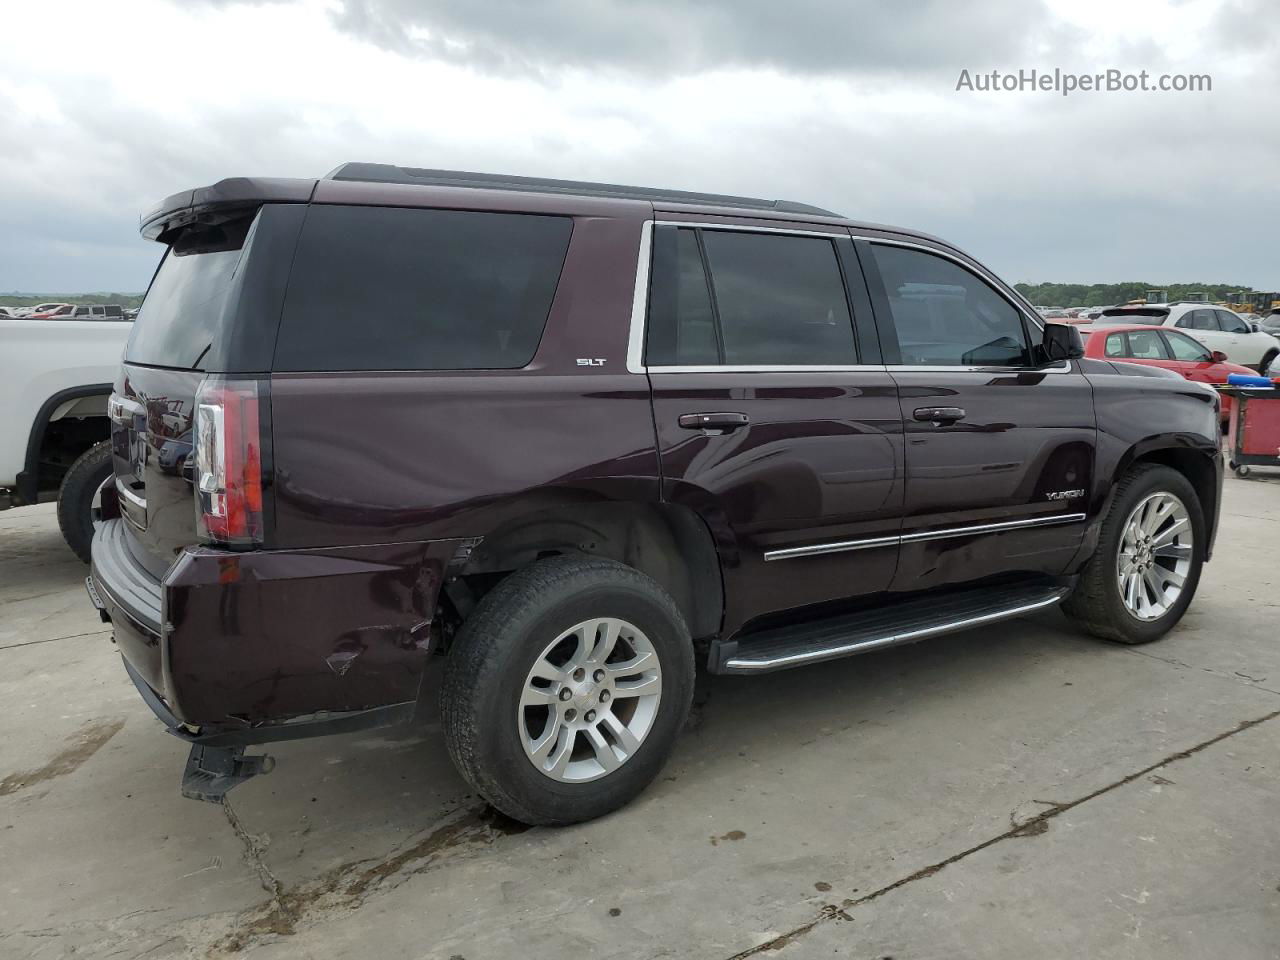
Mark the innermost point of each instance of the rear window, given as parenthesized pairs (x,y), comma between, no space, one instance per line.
(384,288)
(186,307)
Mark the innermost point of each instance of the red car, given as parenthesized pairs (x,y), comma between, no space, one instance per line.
(1162,347)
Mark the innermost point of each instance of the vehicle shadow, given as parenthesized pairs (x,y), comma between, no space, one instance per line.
(370,794)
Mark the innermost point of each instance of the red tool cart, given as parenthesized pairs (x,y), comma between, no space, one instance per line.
(1254,432)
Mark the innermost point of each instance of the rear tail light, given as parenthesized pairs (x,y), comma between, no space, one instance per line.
(229,455)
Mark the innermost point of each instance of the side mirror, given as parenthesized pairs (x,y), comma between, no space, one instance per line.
(1062,341)
(1255,326)
(1217,356)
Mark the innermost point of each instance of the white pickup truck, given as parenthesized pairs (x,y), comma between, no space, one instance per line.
(55,378)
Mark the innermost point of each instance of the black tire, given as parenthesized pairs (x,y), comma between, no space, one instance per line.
(1267,361)
(76,497)
(494,652)
(1096,604)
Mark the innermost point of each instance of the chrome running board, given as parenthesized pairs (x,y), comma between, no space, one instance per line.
(905,621)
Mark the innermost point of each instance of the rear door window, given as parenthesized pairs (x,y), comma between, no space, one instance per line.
(736,298)
(1198,320)
(384,288)
(1115,346)
(946,315)
(682,325)
(1146,345)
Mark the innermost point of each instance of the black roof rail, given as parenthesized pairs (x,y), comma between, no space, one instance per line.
(389,173)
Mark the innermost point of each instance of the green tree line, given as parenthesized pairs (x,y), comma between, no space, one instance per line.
(1105,294)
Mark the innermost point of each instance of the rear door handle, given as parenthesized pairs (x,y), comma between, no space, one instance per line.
(719,422)
(939,414)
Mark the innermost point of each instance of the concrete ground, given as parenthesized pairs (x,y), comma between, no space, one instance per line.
(1018,791)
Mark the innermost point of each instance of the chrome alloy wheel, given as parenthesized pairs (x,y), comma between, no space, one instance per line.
(1155,556)
(590,700)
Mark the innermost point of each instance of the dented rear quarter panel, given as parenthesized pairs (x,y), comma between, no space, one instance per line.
(288,632)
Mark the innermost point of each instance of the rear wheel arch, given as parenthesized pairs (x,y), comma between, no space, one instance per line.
(669,543)
(37,438)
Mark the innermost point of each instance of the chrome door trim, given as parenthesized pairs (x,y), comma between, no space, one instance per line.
(947,533)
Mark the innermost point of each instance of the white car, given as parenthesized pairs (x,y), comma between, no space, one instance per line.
(1216,327)
(55,379)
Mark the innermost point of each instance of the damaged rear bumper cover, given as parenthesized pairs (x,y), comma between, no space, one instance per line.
(235,649)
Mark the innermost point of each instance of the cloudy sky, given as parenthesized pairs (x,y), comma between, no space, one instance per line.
(848,104)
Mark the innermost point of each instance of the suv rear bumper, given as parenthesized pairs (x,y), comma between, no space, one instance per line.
(229,641)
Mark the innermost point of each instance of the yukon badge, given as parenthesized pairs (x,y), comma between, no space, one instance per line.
(1065,494)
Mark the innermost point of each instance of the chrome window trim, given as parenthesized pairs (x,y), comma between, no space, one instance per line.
(947,533)
(1063,367)
(640,307)
(640,302)
(836,233)
(780,368)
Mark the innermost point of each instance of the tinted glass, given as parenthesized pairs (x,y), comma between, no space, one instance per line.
(1198,320)
(186,305)
(1115,345)
(1186,349)
(1146,345)
(681,328)
(1231,323)
(1134,315)
(947,316)
(381,288)
(779,299)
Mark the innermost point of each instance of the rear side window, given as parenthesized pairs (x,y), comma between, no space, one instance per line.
(747,299)
(1115,345)
(1198,320)
(946,315)
(383,288)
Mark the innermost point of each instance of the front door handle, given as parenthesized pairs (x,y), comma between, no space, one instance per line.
(939,414)
(718,422)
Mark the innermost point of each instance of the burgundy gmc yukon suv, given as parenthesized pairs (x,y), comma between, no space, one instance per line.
(565,441)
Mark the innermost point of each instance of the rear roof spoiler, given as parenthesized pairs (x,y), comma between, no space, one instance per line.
(224,200)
